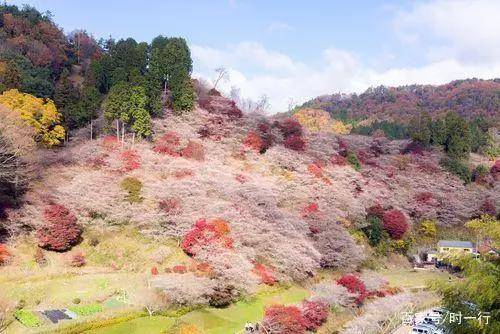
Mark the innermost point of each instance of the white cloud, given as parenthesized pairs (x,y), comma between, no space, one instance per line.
(460,38)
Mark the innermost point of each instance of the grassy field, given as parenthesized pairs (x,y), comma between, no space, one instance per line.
(213,320)
(409,278)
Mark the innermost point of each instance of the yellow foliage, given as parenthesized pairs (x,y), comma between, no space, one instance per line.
(428,228)
(189,329)
(486,227)
(316,120)
(40,114)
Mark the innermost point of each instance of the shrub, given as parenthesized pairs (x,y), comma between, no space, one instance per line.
(265,274)
(60,232)
(154,271)
(183,173)
(241,178)
(194,151)
(133,187)
(27,318)
(352,160)
(413,147)
(374,230)
(4,254)
(479,174)
(316,169)
(205,233)
(428,228)
(458,168)
(84,310)
(77,259)
(222,296)
(394,222)
(290,127)
(77,301)
(295,143)
(312,209)
(110,142)
(39,257)
(424,197)
(495,169)
(131,160)
(338,160)
(375,210)
(168,144)
(314,313)
(179,269)
(254,141)
(170,206)
(284,319)
(355,285)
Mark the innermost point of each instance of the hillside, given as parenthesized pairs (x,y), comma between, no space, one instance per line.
(469,98)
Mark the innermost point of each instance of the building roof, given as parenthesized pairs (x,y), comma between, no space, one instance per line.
(455,243)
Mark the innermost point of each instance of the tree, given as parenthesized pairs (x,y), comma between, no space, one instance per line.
(281,319)
(60,231)
(420,128)
(458,141)
(438,132)
(40,114)
(395,224)
(428,228)
(374,230)
(222,74)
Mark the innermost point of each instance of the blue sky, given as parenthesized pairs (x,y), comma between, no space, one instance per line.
(295,50)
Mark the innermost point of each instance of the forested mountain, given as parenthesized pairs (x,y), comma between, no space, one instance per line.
(469,98)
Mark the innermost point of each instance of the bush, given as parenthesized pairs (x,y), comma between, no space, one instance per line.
(254,141)
(133,187)
(27,318)
(60,232)
(77,260)
(168,144)
(39,257)
(355,285)
(376,210)
(179,269)
(131,160)
(4,254)
(424,197)
(353,160)
(265,274)
(488,208)
(338,160)
(222,296)
(84,310)
(290,127)
(479,174)
(311,210)
(194,151)
(374,231)
(458,168)
(154,271)
(495,169)
(295,143)
(205,233)
(77,301)
(394,222)
(413,148)
(315,314)
(170,206)
(428,228)
(284,319)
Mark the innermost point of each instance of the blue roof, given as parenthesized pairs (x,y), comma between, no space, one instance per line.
(455,243)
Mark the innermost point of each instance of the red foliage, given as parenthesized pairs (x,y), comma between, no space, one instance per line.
(316,169)
(179,269)
(265,274)
(315,314)
(61,231)
(312,209)
(286,319)
(495,169)
(338,160)
(290,127)
(194,151)
(265,132)
(254,141)
(205,233)
(375,210)
(394,222)
(4,254)
(168,144)
(154,271)
(216,104)
(170,205)
(183,173)
(488,208)
(424,197)
(354,285)
(413,148)
(428,167)
(295,143)
(363,156)
(131,160)
(110,142)
(78,259)
(241,178)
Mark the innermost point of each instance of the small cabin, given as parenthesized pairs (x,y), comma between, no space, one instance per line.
(445,246)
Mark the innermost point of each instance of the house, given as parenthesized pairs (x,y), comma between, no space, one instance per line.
(432,255)
(445,246)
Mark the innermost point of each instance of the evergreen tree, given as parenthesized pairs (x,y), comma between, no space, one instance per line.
(420,128)
(458,139)
(438,132)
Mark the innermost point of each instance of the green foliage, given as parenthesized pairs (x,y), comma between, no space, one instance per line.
(458,138)
(134,187)
(486,227)
(27,318)
(127,103)
(392,130)
(183,96)
(457,167)
(477,292)
(420,128)
(353,160)
(84,310)
(438,132)
(491,149)
(480,172)
(374,231)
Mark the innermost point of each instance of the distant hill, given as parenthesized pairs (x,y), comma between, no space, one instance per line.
(470,98)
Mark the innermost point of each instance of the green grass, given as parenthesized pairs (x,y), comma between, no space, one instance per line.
(146,325)
(84,310)
(28,318)
(408,278)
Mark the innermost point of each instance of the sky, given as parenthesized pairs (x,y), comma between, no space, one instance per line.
(291,51)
